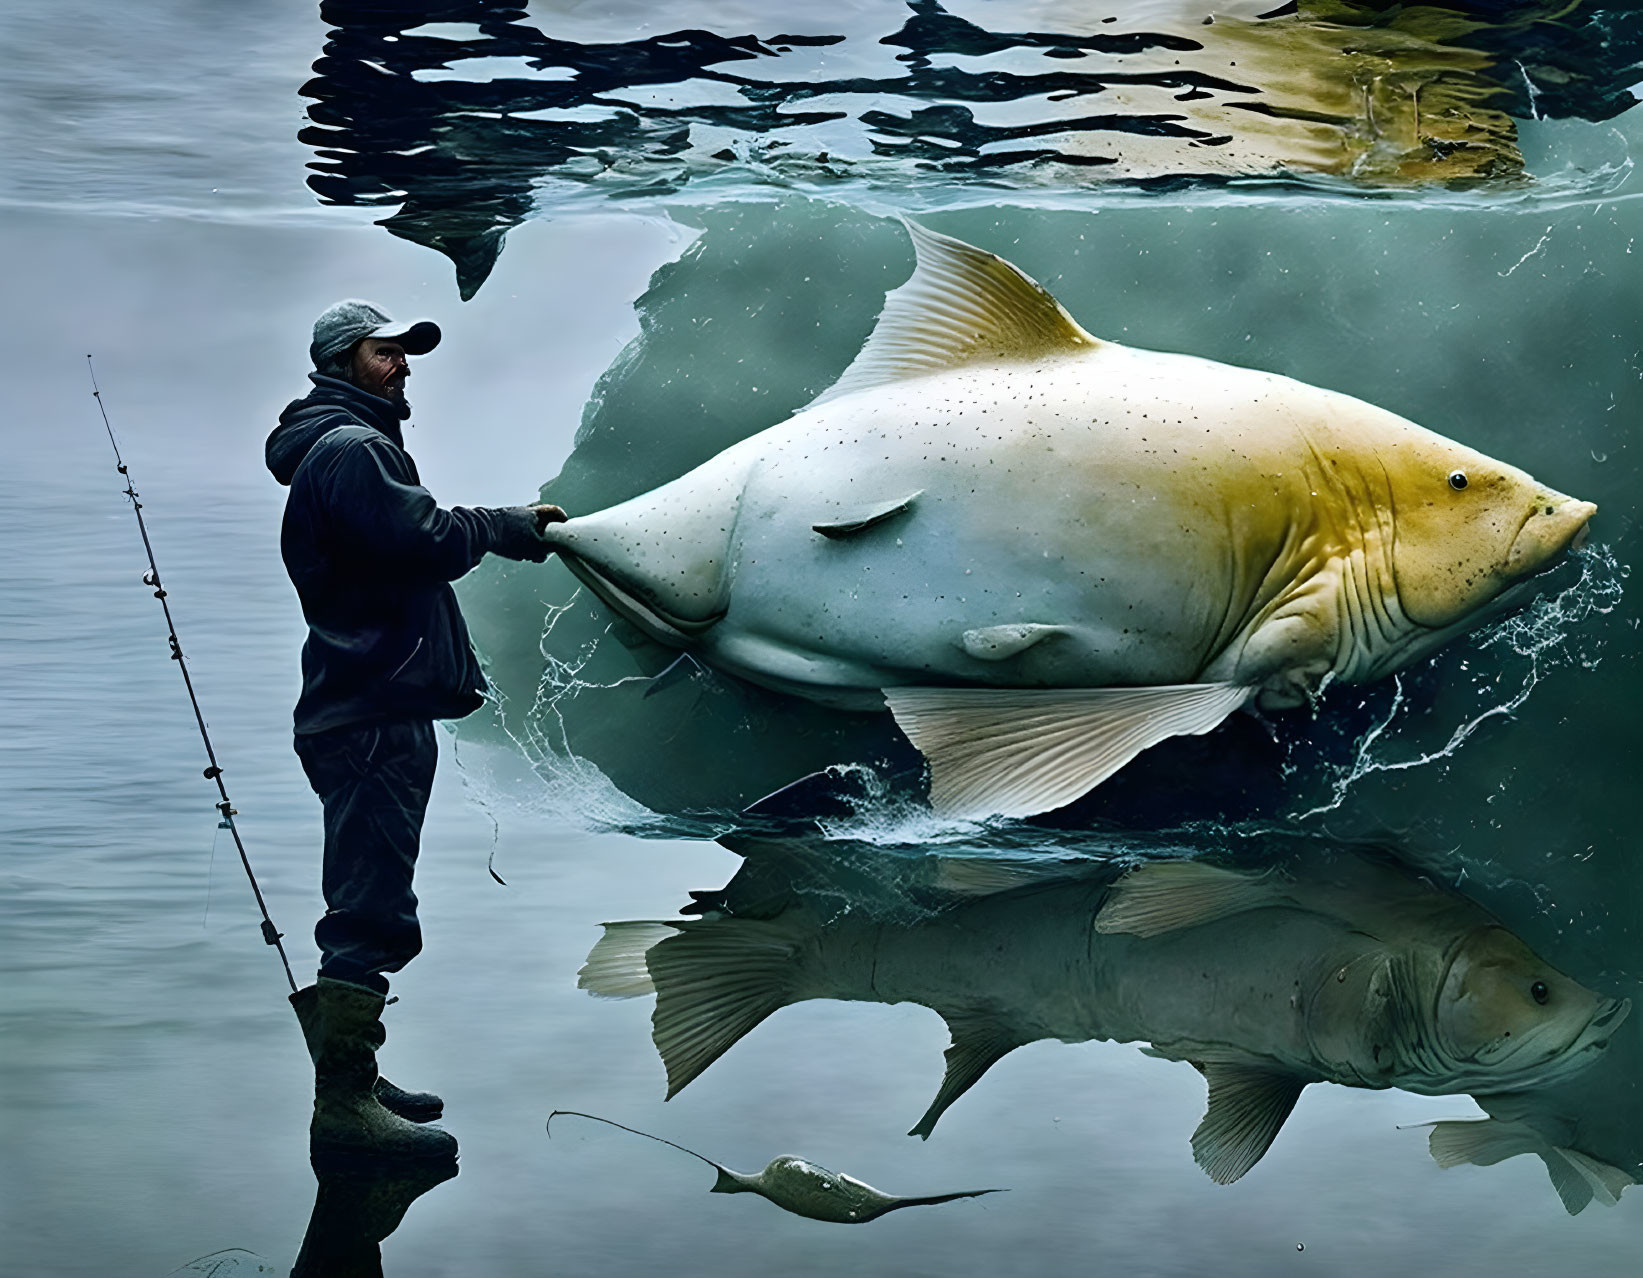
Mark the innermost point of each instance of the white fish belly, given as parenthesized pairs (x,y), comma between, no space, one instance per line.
(1073,507)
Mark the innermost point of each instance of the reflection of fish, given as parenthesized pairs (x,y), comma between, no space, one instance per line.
(1048,552)
(800,1186)
(1355,973)
(1578,1177)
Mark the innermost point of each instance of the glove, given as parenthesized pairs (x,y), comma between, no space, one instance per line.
(519,532)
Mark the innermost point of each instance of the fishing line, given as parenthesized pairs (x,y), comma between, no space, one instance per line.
(270,934)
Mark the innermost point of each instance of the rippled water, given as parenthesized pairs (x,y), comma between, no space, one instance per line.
(675,227)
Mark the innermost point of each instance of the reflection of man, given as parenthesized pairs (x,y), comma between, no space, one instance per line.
(372,556)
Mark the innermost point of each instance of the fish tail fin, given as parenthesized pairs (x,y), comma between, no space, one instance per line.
(715,980)
(616,966)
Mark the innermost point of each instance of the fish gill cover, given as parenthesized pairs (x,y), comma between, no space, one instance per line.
(467,118)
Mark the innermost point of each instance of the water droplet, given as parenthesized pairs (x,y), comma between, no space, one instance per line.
(1300,1246)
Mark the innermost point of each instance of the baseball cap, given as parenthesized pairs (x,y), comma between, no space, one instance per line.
(344,323)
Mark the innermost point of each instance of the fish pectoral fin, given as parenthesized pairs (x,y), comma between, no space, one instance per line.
(978,1043)
(859,521)
(1483,1142)
(1000,643)
(715,980)
(616,965)
(1247,1108)
(976,876)
(1166,896)
(1020,751)
(962,305)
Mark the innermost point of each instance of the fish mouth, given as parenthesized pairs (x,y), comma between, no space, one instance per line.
(657,624)
(1554,526)
(1600,1029)
(1575,1056)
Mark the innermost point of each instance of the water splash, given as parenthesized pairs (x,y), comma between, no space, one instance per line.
(573,789)
(1545,636)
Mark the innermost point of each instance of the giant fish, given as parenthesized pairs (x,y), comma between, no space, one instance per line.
(1353,971)
(1045,552)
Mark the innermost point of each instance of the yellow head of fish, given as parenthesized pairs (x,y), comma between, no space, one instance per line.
(1504,1011)
(1467,527)
(1485,1014)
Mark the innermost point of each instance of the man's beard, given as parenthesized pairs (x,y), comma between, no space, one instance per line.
(383,392)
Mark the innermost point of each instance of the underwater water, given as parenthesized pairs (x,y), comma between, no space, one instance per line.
(673,226)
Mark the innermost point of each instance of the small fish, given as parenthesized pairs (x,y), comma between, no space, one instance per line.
(798,1185)
(1045,552)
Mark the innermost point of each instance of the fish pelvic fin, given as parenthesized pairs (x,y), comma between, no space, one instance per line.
(715,980)
(1603,1181)
(962,305)
(1577,1177)
(1167,896)
(1016,752)
(616,966)
(978,1043)
(1247,1108)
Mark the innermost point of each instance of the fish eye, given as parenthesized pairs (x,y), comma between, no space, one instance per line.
(1539,992)
(1457,479)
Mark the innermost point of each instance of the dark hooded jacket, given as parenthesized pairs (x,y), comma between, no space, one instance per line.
(372,556)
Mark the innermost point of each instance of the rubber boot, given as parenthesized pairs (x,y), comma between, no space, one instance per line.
(348,1118)
(418,1107)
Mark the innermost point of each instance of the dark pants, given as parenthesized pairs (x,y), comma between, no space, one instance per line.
(373,781)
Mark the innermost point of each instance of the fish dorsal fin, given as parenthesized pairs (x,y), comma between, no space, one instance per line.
(616,964)
(1165,896)
(1247,1107)
(963,305)
(1020,751)
(715,981)
(979,1043)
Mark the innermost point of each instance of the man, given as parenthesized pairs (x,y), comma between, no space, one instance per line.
(372,556)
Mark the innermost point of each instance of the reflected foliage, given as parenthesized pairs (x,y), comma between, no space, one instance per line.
(1270,963)
(465,117)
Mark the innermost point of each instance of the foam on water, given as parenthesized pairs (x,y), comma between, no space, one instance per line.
(1545,636)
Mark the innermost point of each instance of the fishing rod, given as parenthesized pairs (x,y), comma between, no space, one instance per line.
(270,934)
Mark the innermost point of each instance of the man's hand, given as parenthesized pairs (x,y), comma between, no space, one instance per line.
(546,515)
